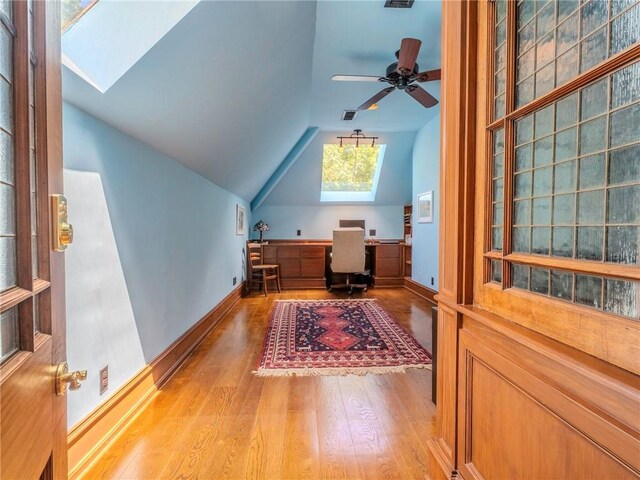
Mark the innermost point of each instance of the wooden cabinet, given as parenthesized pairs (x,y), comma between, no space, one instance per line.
(388,265)
(301,265)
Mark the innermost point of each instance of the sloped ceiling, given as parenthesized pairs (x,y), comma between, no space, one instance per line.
(233,86)
(302,183)
(225,92)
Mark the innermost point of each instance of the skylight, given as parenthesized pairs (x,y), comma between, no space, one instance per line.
(72,10)
(350,173)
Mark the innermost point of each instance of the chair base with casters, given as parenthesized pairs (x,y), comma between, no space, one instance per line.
(349,284)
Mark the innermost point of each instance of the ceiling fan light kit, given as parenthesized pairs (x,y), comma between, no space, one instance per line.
(401,75)
(357,135)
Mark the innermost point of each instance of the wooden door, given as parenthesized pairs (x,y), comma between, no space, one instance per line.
(32,311)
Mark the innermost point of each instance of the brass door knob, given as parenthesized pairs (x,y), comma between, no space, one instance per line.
(68,380)
(65,234)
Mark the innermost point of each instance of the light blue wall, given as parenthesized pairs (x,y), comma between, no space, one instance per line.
(426,177)
(174,234)
(319,222)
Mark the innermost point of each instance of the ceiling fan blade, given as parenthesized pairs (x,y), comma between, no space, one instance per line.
(356,78)
(422,96)
(408,55)
(376,98)
(429,75)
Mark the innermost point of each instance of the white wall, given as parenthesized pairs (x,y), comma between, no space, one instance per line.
(319,222)
(155,250)
(426,177)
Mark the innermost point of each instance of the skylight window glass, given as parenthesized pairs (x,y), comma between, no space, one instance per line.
(72,10)
(350,173)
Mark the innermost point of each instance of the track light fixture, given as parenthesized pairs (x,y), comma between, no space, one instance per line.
(357,135)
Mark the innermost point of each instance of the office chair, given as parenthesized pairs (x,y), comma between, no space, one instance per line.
(348,257)
(260,273)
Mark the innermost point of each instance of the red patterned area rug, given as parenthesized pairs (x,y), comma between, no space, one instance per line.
(337,337)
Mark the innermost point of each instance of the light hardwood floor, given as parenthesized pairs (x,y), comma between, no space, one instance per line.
(216,420)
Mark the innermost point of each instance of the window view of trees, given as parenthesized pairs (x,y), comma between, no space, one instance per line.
(72,10)
(349,169)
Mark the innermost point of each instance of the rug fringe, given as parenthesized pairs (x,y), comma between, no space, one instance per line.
(338,371)
(321,300)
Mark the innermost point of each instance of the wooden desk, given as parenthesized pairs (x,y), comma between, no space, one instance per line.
(306,264)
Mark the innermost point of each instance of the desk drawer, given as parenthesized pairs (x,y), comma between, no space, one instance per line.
(312,252)
(289,267)
(388,267)
(312,267)
(388,251)
(288,252)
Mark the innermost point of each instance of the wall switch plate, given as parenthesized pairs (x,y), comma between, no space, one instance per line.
(235,280)
(298,232)
(372,232)
(104,379)
(431,280)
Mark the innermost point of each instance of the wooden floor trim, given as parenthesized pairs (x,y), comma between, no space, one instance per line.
(88,439)
(421,290)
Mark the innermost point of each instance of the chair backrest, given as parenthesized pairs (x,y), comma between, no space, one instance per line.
(255,254)
(348,252)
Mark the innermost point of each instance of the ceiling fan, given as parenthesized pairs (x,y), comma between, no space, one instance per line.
(400,75)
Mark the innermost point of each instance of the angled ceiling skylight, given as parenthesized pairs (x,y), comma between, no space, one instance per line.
(103,39)
(350,173)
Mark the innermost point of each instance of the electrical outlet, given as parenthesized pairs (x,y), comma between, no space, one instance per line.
(104,379)
(235,280)
(431,280)
(372,232)
(298,232)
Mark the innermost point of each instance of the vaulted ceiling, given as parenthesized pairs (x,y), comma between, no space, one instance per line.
(231,88)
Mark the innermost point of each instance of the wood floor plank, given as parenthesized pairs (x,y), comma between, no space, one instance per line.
(215,419)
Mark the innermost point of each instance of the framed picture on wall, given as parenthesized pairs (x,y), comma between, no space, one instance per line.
(425,207)
(239,220)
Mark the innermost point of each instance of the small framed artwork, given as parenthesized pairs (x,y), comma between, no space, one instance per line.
(239,220)
(425,207)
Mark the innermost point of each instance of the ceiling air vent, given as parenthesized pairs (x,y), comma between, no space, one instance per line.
(349,114)
(398,4)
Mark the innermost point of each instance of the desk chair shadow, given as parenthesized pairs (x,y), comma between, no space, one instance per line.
(348,257)
(260,273)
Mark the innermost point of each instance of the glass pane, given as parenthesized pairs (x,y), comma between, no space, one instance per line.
(542,211)
(625,30)
(6,53)
(522,212)
(562,242)
(544,121)
(564,177)
(8,333)
(589,243)
(561,285)
(623,126)
(567,111)
(8,270)
(591,172)
(497,213)
(542,181)
(521,239)
(564,207)
(524,157)
(568,33)
(7,208)
(623,244)
(524,91)
(625,86)
(591,207)
(624,165)
(594,15)
(622,298)
(526,64)
(589,291)
(36,313)
(524,130)
(540,240)
(623,205)
(6,158)
(497,239)
(593,135)
(6,106)
(523,185)
(5,7)
(567,67)
(593,100)
(525,12)
(498,141)
(565,8)
(498,165)
(496,271)
(520,276)
(546,49)
(593,50)
(497,189)
(540,280)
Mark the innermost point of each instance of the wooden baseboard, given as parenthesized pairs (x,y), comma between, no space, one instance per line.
(387,282)
(420,289)
(88,439)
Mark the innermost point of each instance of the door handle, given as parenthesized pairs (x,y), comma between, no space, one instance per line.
(62,230)
(68,380)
